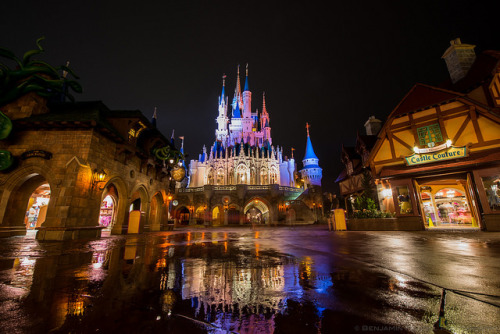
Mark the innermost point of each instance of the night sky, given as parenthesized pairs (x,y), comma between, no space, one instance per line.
(332,66)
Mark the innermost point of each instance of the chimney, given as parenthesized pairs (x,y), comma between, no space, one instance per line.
(373,126)
(459,59)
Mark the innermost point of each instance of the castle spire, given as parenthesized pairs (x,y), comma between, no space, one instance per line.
(221,100)
(237,90)
(264,110)
(309,148)
(246,79)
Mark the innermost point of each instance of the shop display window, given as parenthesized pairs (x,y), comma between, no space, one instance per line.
(492,186)
(106,214)
(404,200)
(452,207)
(386,202)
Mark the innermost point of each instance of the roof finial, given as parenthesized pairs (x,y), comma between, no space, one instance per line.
(264,110)
(307,127)
(223,80)
(246,70)
(154,114)
(292,152)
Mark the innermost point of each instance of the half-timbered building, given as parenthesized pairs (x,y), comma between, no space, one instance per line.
(437,157)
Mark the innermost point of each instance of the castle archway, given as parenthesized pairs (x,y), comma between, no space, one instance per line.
(182,215)
(257,211)
(117,192)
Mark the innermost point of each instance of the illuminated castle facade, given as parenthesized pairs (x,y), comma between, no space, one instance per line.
(243,151)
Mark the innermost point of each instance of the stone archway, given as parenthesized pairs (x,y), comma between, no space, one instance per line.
(20,194)
(182,215)
(117,189)
(257,211)
(109,208)
(138,208)
(157,212)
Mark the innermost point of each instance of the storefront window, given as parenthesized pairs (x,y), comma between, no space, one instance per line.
(492,186)
(385,199)
(404,201)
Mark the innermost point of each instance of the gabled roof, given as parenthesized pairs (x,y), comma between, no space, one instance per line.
(422,96)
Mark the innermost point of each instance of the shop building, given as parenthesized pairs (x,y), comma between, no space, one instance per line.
(437,157)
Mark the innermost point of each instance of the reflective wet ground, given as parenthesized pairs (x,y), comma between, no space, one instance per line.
(281,280)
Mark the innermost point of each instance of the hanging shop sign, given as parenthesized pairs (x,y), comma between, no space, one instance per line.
(447,154)
(36,154)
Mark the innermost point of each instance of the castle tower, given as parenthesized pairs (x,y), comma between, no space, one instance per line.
(265,121)
(222,119)
(311,173)
(248,121)
(459,59)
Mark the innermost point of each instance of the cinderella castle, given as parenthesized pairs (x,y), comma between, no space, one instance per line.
(243,171)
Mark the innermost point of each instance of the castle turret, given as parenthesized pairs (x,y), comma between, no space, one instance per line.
(311,173)
(222,119)
(247,98)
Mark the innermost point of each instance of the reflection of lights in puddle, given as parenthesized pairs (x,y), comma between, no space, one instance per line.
(396,282)
(26,262)
(97,265)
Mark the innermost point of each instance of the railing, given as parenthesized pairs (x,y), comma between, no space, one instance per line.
(225,188)
(249,187)
(191,190)
(265,187)
(291,189)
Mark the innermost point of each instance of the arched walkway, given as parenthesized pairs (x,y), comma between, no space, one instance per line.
(182,215)
(138,207)
(117,190)
(157,212)
(257,211)
(25,202)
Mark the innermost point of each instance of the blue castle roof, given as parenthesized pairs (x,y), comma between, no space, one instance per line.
(236,112)
(309,150)
(246,84)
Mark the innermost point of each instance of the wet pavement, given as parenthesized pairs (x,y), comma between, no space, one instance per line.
(239,280)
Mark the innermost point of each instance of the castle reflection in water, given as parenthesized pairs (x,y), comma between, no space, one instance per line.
(142,283)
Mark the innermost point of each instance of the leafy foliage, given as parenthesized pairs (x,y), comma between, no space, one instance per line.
(32,75)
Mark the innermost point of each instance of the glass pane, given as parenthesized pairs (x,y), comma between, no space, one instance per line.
(404,200)
(492,186)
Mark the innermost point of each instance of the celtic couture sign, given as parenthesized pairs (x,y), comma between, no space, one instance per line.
(447,154)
